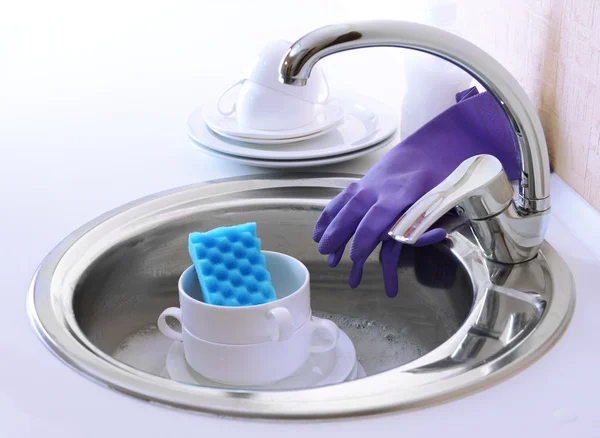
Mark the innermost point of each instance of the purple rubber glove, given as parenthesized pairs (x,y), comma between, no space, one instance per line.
(368,208)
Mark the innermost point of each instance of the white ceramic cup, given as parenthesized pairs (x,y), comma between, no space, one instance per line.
(265,103)
(262,108)
(274,321)
(255,364)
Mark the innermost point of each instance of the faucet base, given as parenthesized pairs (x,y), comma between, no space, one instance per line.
(510,238)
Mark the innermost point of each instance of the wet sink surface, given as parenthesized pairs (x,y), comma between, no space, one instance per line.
(458,324)
(118,299)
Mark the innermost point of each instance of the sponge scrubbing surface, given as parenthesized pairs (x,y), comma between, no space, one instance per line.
(230,267)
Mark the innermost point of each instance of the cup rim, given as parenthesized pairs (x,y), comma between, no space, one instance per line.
(268,305)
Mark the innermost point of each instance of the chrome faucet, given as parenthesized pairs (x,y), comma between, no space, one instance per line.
(515,227)
(480,190)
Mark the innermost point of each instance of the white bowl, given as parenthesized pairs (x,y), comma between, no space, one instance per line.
(276,320)
(257,364)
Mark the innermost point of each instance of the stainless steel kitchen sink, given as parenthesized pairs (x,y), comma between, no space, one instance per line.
(460,322)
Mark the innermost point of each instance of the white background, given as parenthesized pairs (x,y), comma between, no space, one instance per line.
(94,98)
(95,95)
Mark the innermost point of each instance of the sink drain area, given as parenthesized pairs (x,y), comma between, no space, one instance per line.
(460,323)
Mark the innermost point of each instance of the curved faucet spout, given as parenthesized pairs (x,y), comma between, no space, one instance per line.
(534,186)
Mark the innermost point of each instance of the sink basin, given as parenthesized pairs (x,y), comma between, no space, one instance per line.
(460,322)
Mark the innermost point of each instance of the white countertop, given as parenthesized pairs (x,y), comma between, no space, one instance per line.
(92,115)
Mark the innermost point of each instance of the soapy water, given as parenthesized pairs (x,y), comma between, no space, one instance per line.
(145,350)
(378,346)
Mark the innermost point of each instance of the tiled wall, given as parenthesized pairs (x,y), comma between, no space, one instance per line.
(552,47)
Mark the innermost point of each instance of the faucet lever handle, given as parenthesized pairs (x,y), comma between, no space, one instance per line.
(478,186)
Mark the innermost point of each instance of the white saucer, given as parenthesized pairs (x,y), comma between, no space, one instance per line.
(353,374)
(292,164)
(320,369)
(327,117)
(366,122)
(360,371)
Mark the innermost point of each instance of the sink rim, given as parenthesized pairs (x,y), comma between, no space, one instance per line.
(382,395)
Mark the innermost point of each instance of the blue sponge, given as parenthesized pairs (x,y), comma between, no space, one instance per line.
(230,266)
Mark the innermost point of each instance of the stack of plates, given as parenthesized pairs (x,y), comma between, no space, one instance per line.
(349,127)
(330,368)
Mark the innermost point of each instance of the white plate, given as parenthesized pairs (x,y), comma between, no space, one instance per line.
(291,164)
(366,122)
(327,117)
(280,141)
(320,369)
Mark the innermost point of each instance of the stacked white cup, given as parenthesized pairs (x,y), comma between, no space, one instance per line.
(251,345)
(265,103)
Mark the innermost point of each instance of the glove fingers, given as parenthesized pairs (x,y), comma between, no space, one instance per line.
(343,226)
(431,237)
(331,211)
(334,258)
(373,226)
(390,256)
(356,273)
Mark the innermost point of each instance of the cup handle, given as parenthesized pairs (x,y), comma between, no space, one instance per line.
(232,110)
(331,328)
(164,328)
(284,323)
